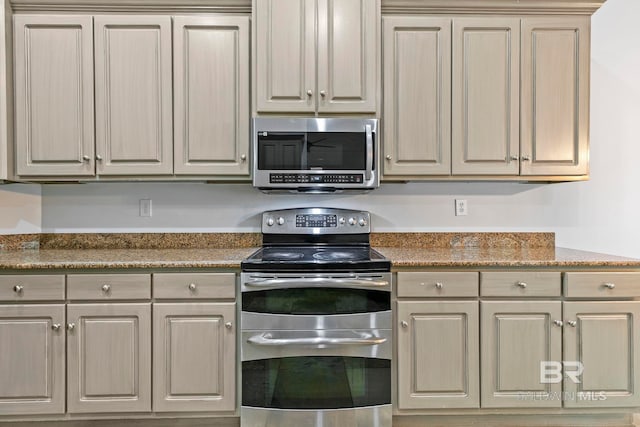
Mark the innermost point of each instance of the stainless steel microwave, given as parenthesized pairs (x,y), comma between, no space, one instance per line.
(315,154)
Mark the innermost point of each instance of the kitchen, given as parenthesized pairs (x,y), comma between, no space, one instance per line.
(596,215)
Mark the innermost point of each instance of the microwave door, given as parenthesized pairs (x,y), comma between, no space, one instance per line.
(282,151)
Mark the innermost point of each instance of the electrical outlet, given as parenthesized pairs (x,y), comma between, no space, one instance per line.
(461,207)
(145,207)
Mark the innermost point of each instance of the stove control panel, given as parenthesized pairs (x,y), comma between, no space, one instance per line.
(316,221)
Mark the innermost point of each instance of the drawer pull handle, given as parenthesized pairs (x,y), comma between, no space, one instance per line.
(71,327)
(56,327)
(439,285)
(558,322)
(404,324)
(228,325)
(18,289)
(522,285)
(192,287)
(572,323)
(609,285)
(106,288)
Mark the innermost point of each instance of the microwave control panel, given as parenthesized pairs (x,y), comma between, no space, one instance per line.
(305,178)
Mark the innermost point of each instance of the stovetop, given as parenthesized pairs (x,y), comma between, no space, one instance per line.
(315,257)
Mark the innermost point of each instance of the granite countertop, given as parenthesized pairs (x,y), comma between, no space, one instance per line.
(227,250)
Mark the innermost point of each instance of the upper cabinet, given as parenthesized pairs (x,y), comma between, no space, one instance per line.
(316,56)
(54,95)
(488,97)
(168,101)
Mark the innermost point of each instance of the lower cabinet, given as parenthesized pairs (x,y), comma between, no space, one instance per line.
(109,357)
(194,357)
(438,360)
(32,359)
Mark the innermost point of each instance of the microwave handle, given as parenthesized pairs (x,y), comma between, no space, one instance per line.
(367,175)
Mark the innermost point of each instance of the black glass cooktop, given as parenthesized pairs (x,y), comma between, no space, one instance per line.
(352,258)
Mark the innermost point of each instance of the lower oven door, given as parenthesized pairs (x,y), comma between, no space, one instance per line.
(316,378)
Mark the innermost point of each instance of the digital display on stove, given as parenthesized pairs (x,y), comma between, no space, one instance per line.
(316,221)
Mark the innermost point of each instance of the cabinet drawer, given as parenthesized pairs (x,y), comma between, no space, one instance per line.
(520,284)
(435,284)
(108,286)
(31,287)
(194,285)
(602,285)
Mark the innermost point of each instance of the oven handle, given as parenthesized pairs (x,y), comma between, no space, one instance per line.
(369,160)
(268,340)
(306,282)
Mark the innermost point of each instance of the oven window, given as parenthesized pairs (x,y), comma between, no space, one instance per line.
(316,301)
(316,382)
(312,151)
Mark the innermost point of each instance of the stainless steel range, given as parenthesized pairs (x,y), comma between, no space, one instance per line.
(316,323)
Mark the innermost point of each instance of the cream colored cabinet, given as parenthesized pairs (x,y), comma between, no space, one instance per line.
(603,338)
(485,96)
(54,119)
(555,96)
(194,357)
(417,100)
(194,343)
(109,357)
(517,336)
(316,55)
(442,334)
(211,95)
(133,95)
(32,360)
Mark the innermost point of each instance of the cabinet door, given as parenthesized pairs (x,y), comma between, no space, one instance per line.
(194,357)
(54,95)
(285,52)
(133,95)
(441,335)
(516,337)
(417,95)
(348,55)
(109,358)
(555,96)
(604,338)
(211,95)
(32,361)
(486,83)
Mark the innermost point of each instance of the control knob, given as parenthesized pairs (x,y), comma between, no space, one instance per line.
(362,222)
(280,221)
(270,221)
(342,220)
(352,221)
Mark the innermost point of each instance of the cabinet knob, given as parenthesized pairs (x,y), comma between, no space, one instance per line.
(243,157)
(323,93)
(309,93)
(388,157)
(525,158)
(515,158)
(71,327)
(18,289)
(439,285)
(228,325)
(609,285)
(106,288)
(86,158)
(192,287)
(521,285)
(558,322)
(56,326)
(404,324)
(572,323)
(98,157)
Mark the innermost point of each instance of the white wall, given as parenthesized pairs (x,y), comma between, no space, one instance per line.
(598,215)
(20,209)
